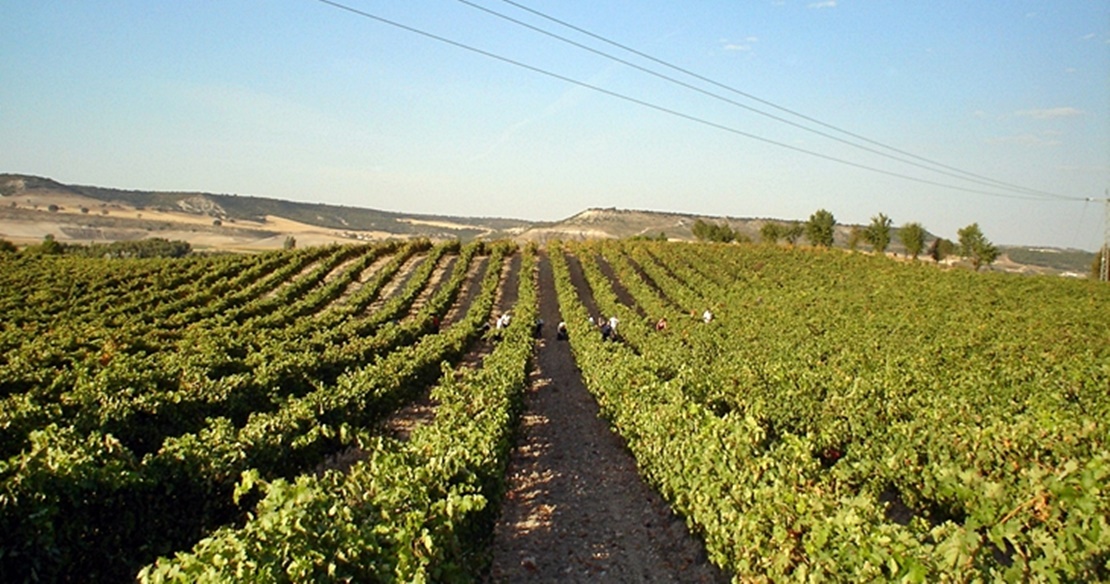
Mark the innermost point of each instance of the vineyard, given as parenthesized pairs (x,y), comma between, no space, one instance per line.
(239,414)
(848,417)
(345,413)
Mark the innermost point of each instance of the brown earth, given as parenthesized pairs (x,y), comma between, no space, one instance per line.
(576,509)
(25,220)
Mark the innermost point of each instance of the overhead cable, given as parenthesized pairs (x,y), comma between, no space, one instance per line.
(948,170)
(664,109)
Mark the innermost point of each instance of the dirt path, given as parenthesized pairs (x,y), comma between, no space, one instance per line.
(623,295)
(576,510)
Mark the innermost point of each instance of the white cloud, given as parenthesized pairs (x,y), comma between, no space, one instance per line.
(1088,36)
(1049,113)
(1022,140)
(746,45)
(824,4)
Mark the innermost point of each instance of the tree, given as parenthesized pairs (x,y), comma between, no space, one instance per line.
(791,233)
(7,246)
(878,233)
(913,237)
(719,232)
(770,232)
(819,228)
(49,246)
(855,236)
(976,247)
(700,230)
(941,248)
(290,242)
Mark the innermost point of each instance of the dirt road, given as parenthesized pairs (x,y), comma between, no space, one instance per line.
(576,510)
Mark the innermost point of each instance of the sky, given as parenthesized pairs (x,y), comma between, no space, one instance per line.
(302,100)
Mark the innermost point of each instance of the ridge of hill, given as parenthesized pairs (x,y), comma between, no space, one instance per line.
(253,211)
(32,207)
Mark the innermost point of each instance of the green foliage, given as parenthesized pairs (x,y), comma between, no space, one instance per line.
(855,237)
(877,233)
(848,444)
(770,232)
(7,246)
(793,232)
(976,247)
(415,511)
(715,232)
(289,243)
(819,228)
(913,238)
(154,247)
(941,248)
(49,246)
(280,374)
(174,414)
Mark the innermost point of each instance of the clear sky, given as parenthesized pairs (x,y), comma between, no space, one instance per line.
(296,99)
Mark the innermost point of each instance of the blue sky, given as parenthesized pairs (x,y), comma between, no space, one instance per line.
(299,100)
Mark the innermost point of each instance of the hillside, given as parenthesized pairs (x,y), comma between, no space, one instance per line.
(32,207)
(613,223)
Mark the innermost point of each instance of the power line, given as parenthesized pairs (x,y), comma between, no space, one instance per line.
(977,178)
(660,108)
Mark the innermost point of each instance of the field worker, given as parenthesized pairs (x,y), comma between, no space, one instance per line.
(561,331)
(606,331)
(537,329)
(613,322)
(503,321)
(707,316)
(661,325)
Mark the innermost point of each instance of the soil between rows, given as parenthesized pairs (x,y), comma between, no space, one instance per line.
(576,509)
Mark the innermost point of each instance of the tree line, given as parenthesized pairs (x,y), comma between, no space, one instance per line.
(820,229)
(154,247)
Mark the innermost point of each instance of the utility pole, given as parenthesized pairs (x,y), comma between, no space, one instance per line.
(1104,253)
(1104,265)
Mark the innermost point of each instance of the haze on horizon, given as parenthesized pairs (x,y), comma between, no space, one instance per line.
(301,100)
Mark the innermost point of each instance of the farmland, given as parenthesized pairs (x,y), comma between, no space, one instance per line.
(848,417)
(841,416)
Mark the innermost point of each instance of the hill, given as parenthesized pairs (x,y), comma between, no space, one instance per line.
(623,223)
(32,207)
